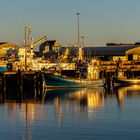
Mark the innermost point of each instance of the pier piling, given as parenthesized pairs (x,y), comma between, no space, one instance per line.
(19,85)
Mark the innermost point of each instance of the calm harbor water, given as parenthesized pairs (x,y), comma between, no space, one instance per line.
(73,114)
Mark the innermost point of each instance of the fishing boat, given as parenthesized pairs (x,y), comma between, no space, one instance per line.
(3,65)
(54,81)
(124,80)
(88,76)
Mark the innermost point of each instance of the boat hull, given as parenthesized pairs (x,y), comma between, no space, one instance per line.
(53,81)
(3,68)
(124,81)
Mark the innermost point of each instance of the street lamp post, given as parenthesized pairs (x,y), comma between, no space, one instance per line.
(78,29)
(82,41)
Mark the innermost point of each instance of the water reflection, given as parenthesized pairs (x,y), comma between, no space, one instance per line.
(83,101)
(90,98)
(26,114)
(125,92)
(58,109)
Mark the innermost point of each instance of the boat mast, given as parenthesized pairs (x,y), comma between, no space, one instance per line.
(25,43)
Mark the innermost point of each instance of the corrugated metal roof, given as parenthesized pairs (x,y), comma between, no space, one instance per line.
(98,51)
(108,50)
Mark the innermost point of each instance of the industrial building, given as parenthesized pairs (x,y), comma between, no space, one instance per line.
(52,47)
(5,47)
(112,52)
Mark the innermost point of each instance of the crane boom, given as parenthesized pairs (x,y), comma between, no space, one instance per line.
(40,41)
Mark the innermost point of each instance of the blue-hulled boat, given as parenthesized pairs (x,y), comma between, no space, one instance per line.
(2,68)
(3,65)
(53,81)
(92,78)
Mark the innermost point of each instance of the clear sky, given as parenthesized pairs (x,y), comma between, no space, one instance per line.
(101,21)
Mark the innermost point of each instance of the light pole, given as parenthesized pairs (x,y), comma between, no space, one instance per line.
(82,41)
(78,14)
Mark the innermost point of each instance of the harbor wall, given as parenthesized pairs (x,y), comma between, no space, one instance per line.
(21,85)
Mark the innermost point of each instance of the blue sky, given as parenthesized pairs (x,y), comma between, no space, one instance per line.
(101,21)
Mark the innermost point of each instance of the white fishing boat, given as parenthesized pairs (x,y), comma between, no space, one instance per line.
(124,80)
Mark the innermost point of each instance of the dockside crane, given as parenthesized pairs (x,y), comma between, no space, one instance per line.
(36,43)
(39,41)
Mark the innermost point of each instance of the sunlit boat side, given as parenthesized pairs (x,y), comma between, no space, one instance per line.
(53,81)
(91,78)
(124,80)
